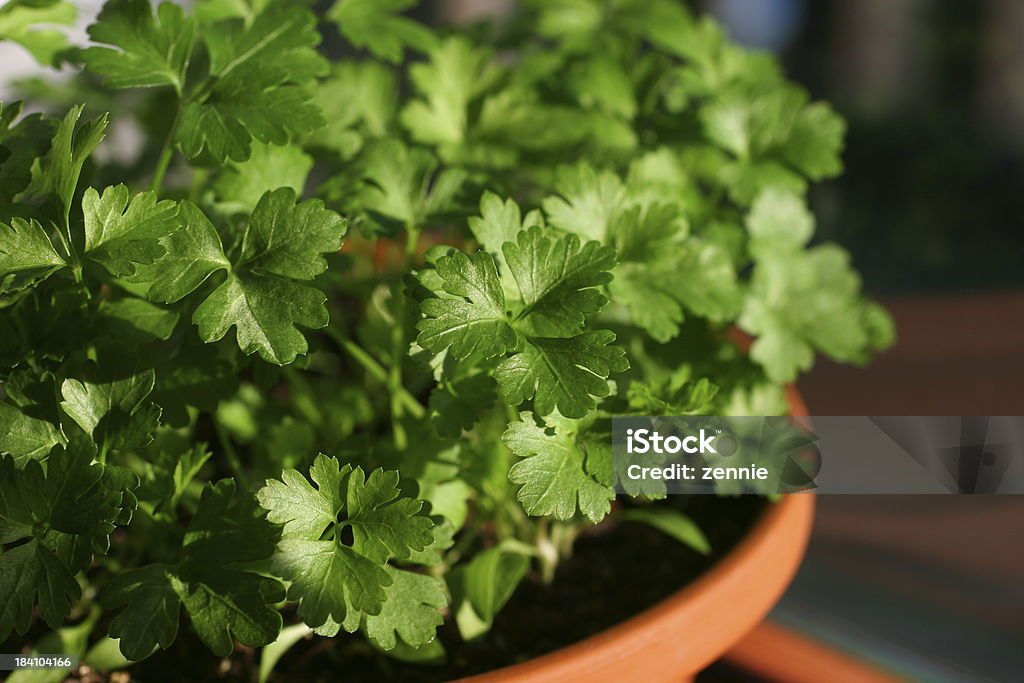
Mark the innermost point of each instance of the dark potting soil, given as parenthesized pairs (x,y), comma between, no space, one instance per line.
(614,573)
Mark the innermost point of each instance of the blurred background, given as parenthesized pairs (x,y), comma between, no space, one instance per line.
(931,206)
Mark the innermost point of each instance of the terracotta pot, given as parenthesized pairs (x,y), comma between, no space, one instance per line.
(683,634)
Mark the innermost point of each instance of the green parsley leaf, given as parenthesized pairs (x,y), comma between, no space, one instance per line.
(444,497)
(359,100)
(436,465)
(332,581)
(27,571)
(224,600)
(56,175)
(261,297)
(777,124)
(456,405)
(556,280)
(150,617)
(456,73)
(265,313)
(26,437)
(672,523)
(727,123)
(20,145)
(603,83)
(398,187)
(25,22)
(499,222)
(192,253)
(110,403)
(779,224)
(239,186)
(815,141)
(65,510)
(373,24)
(588,201)
(26,251)
(677,393)
(411,611)
(122,231)
(305,511)
(130,322)
(186,469)
(649,291)
(146,51)
(695,275)
(473,319)
(384,525)
(803,299)
(562,374)
(557,472)
(236,606)
(663,271)
(257,89)
(490,579)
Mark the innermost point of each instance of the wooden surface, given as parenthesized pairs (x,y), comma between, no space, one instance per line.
(961,355)
(780,654)
(929,587)
(955,356)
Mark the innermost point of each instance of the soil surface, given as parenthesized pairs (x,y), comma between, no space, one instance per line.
(614,573)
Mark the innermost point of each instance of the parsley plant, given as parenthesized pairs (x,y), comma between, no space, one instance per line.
(336,343)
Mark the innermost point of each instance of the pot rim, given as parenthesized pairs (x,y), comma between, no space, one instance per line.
(694,626)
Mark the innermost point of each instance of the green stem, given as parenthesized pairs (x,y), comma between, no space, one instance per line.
(232,456)
(68,242)
(547,551)
(166,154)
(465,541)
(564,536)
(303,396)
(511,412)
(101,456)
(398,344)
(65,241)
(375,370)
